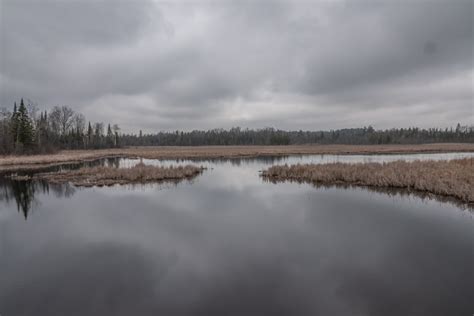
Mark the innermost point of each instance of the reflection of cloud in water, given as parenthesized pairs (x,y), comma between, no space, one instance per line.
(120,282)
(199,249)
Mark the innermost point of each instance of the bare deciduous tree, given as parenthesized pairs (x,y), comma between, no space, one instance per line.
(62,119)
(79,123)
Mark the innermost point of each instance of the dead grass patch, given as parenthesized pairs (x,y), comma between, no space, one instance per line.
(453,178)
(106,176)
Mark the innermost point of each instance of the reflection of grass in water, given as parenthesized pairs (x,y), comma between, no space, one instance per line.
(453,178)
(140,173)
(404,193)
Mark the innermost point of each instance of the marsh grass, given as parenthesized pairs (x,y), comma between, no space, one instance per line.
(205,152)
(106,176)
(453,178)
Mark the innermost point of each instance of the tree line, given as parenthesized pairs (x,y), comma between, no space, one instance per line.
(25,131)
(270,136)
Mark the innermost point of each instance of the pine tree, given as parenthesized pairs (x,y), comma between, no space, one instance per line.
(26,133)
(15,124)
(98,134)
(116,139)
(89,135)
(110,137)
(40,130)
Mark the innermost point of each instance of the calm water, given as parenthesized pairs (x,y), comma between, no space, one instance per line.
(227,243)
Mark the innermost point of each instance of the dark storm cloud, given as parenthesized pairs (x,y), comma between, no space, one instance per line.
(288,64)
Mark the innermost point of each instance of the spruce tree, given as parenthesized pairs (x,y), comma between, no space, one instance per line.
(110,137)
(39,132)
(25,131)
(15,124)
(89,135)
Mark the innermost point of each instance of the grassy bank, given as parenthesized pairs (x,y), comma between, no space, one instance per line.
(105,176)
(15,162)
(453,178)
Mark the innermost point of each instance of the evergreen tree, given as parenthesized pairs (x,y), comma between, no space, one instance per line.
(89,135)
(98,134)
(39,130)
(15,124)
(110,137)
(116,139)
(26,133)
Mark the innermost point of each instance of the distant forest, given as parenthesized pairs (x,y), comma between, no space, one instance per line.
(270,136)
(25,131)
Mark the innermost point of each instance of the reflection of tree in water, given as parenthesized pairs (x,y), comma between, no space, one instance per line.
(23,192)
(112,162)
(235,161)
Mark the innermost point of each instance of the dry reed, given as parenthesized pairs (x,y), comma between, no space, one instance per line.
(453,178)
(141,173)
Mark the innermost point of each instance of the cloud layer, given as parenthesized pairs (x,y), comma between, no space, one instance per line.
(309,65)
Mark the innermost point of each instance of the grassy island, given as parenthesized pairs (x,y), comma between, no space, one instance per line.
(106,176)
(453,178)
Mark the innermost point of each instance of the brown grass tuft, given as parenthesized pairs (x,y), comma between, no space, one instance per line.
(453,178)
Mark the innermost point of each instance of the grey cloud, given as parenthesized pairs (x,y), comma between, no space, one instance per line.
(205,64)
(51,24)
(37,35)
(390,42)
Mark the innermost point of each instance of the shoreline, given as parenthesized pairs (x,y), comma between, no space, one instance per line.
(12,163)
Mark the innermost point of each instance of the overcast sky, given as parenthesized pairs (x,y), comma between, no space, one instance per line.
(197,65)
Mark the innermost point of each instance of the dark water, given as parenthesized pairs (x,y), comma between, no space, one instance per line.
(228,243)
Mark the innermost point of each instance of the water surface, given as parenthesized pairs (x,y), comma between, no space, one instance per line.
(228,243)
